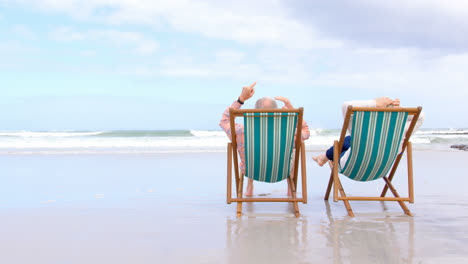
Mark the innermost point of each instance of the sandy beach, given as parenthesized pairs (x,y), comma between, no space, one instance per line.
(170,208)
(116,116)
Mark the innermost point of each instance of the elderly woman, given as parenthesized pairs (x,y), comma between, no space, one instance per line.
(378,102)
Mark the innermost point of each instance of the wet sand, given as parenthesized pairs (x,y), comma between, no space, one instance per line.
(171,209)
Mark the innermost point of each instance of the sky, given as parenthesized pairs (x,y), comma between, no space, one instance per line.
(177,64)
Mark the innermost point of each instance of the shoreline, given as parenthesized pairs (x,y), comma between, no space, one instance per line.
(309,149)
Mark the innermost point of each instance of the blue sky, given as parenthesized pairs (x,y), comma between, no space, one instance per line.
(140,64)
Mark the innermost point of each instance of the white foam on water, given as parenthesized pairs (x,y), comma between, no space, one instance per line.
(195,141)
(450,131)
(115,142)
(31,134)
(202,133)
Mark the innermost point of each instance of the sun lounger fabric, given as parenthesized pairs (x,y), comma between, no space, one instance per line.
(269,141)
(375,141)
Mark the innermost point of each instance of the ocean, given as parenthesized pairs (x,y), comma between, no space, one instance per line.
(178,141)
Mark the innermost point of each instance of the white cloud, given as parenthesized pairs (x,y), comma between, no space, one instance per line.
(67,34)
(402,72)
(88,53)
(289,24)
(388,45)
(23,31)
(424,24)
(232,56)
(147,47)
(11,53)
(11,47)
(136,41)
(246,22)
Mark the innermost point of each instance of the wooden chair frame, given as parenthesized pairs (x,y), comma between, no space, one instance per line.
(338,191)
(239,176)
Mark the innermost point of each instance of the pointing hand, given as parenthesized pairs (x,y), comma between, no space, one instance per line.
(247,92)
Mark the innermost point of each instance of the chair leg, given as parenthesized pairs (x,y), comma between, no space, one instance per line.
(409,155)
(335,171)
(239,209)
(293,192)
(229,174)
(304,175)
(294,180)
(395,193)
(392,173)
(330,185)
(240,194)
(343,194)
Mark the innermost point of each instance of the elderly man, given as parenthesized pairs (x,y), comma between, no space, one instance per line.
(262,103)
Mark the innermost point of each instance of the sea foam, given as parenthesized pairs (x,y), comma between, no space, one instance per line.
(163,141)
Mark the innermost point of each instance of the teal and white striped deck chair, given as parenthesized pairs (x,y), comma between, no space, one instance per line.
(269,145)
(376,136)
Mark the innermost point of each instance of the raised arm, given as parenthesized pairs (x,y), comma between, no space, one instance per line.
(367,103)
(247,93)
(377,102)
(305,133)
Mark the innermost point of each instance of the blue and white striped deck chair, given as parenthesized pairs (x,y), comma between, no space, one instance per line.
(376,136)
(269,138)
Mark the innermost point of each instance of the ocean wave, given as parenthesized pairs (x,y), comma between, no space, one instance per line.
(67,143)
(176,140)
(207,133)
(146,133)
(49,134)
(442,132)
(119,134)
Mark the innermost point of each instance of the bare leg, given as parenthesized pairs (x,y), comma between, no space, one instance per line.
(249,189)
(321,159)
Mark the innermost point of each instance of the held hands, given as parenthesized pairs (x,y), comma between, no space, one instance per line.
(247,92)
(387,102)
(287,103)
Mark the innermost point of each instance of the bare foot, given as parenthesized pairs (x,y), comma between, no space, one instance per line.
(249,190)
(321,159)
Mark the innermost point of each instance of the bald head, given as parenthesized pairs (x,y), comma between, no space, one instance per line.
(266,103)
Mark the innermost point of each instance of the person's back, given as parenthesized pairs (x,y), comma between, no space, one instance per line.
(346,150)
(262,103)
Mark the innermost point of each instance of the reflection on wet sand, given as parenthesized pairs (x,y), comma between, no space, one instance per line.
(266,238)
(373,238)
(275,238)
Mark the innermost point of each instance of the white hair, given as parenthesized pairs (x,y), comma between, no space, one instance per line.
(265,102)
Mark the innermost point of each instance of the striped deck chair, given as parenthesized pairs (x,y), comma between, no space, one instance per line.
(375,140)
(269,143)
